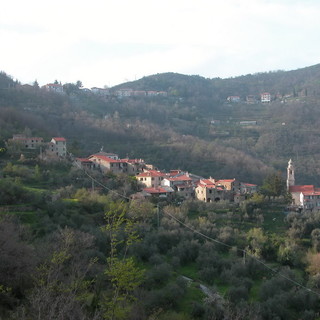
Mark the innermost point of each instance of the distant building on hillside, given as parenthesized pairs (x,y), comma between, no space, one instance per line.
(265,97)
(233,99)
(110,162)
(53,87)
(57,147)
(22,141)
(151,178)
(100,91)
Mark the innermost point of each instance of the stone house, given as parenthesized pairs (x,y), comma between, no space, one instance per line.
(208,191)
(24,142)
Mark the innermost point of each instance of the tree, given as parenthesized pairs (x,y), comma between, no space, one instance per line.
(79,84)
(122,271)
(315,237)
(36,84)
(274,186)
(61,283)
(3,148)
(17,262)
(257,241)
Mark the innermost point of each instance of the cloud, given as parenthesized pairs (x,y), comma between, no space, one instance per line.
(109,41)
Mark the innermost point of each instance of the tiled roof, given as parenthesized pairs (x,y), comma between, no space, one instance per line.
(103,158)
(83,159)
(157,190)
(315,193)
(59,139)
(180,178)
(152,173)
(206,182)
(302,188)
(133,160)
(249,184)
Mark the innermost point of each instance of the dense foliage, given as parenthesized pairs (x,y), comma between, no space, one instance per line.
(72,251)
(193,128)
(68,252)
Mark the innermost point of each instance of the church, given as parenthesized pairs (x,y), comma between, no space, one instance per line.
(304,196)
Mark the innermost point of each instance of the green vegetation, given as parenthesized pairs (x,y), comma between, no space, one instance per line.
(102,258)
(70,252)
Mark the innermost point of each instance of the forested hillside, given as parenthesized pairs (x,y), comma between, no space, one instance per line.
(193,128)
(75,244)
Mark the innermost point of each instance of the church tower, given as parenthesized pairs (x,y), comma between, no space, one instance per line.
(290,174)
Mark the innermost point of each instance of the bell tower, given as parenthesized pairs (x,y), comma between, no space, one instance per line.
(290,175)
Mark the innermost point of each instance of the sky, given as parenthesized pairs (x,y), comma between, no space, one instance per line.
(108,42)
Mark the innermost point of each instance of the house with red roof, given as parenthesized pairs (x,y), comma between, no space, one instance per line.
(304,196)
(151,178)
(229,184)
(248,188)
(54,87)
(111,162)
(105,163)
(208,190)
(181,183)
(265,97)
(159,192)
(55,149)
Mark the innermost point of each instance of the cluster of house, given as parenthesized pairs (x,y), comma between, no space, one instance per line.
(155,183)
(162,184)
(304,196)
(58,88)
(55,149)
(265,97)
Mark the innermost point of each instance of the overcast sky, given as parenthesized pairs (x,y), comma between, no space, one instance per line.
(107,42)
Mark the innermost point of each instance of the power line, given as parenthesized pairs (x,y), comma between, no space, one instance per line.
(99,183)
(245,252)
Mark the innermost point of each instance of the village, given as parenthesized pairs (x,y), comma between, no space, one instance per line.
(154,183)
(159,184)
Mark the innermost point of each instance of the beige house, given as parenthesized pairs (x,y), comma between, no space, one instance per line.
(105,163)
(151,178)
(229,184)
